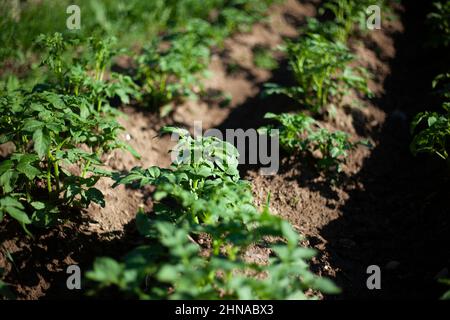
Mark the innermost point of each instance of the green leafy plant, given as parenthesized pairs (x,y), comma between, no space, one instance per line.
(59,132)
(170,73)
(434,138)
(301,133)
(202,165)
(446,295)
(321,71)
(84,74)
(242,14)
(350,16)
(172,66)
(46,130)
(263,58)
(328,28)
(432,129)
(347,14)
(203,225)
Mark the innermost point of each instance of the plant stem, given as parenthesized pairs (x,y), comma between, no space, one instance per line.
(49,177)
(102,71)
(56,169)
(85,169)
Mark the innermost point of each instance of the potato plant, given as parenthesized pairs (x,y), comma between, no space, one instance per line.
(301,133)
(57,126)
(432,129)
(84,75)
(263,58)
(204,222)
(435,136)
(321,71)
(172,66)
(350,16)
(167,74)
(240,15)
(347,14)
(446,295)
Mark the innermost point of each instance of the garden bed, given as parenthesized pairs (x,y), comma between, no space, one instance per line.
(388,209)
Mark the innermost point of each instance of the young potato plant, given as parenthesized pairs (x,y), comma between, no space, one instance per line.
(46,130)
(432,129)
(240,15)
(263,58)
(203,226)
(59,134)
(328,28)
(301,133)
(446,295)
(85,75)
(202,165)
(435,137)
(171,67)
(349,14)
(321,72)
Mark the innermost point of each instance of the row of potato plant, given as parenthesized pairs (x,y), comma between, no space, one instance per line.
(320,62)
(59,130)
(199,238)
(204,221)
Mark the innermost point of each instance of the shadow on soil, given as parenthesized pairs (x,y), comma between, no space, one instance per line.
(39,264)
(400,219)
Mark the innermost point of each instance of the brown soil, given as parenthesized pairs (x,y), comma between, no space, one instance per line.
(388,209)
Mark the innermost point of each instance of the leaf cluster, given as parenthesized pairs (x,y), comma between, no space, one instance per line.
(432,129)
(301,133)
(321,71)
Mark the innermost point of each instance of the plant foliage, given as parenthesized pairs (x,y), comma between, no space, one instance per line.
(301,133)
(59,128)
(204,223)
(432,129)
(321,71)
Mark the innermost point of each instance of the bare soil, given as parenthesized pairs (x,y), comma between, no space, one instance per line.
(389,209)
